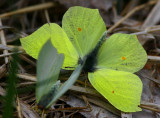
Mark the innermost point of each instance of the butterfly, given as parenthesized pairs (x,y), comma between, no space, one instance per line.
(110,63)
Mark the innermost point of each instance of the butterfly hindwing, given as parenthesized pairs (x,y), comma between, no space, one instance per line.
(84,27)
(122,52)
(34,42)
(121,89)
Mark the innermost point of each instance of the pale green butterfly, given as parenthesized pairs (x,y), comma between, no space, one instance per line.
(115,60)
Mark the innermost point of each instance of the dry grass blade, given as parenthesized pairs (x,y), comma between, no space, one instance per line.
(28,60)
(3,70)
(27,77)
(148,30)
(131,13)
(3,40)
(19,109)
(9,54)
(154,59)
(85,91)
(27,112)
(154,16)
(104,105)
(3,47)
(29,9)
(14,30)
(14,46)
(154,108)
(142,74)
(2,91)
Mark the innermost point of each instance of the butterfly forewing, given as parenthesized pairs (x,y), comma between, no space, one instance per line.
(84,27)
(122,52)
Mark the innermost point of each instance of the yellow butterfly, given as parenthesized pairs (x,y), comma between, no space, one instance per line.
(109,68)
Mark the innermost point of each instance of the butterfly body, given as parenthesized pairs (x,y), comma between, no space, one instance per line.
(91,58)
(91,61)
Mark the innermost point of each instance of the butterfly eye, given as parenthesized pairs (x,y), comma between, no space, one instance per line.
(123,58)
(79,29)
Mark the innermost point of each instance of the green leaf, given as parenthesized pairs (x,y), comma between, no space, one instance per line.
(48,69)
(8,107)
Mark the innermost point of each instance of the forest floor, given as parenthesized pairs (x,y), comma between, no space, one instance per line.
(19,18)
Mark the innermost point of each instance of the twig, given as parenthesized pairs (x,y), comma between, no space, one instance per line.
(153,17)
(147,30)
(155,59)
(18,106)
(2,91)
(103,104)
(81,90)
(18,47)
(155,108)
(29,9)
(85,91)
(150,104)
(28,60)
(27,77)
(143,75)
(8,54)
(131,13)
(46,14)
(25,84)
(3,70)
(3,41)
(3,47)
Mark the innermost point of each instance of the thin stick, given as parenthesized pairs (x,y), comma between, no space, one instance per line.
(3,47)
(154,59)
(148,30)
(46,14)
(131,13)
(8,54)
(28,60)
(29,9)
(3,41)
(27,77)
(150,108)
(2,91)
(153,17)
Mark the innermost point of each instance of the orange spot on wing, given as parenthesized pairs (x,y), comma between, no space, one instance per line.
(79,29)
(123,58)
(112,91)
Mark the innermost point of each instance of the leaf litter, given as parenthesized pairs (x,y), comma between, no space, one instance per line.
(140,18)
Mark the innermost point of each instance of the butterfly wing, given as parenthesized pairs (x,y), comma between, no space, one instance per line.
(122,52)
(84,27)
(121,89)
(34,42)
(48,68)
